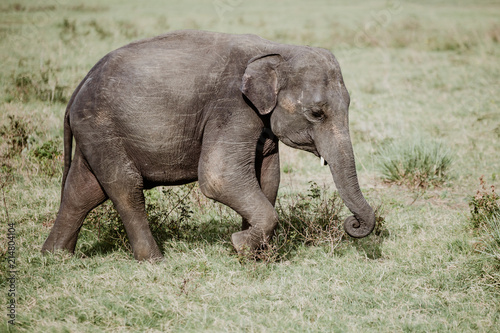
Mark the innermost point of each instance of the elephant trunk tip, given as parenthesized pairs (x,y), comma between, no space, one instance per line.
(358,227)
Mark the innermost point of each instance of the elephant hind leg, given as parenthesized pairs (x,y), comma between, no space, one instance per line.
(124,186)
(130,205)
(82,192)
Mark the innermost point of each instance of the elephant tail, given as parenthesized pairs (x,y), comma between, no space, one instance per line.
(68,145)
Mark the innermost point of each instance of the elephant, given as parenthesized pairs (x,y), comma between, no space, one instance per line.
(203,106)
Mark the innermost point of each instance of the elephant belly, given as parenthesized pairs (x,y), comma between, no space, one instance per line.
(164,165)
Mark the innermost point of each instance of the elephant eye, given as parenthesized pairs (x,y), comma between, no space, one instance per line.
(316,114)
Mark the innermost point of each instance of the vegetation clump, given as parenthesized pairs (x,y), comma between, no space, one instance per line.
(42,84)
(15,136)
(417,164)
(168,210)
(484,204)
(485,218)
(314,218)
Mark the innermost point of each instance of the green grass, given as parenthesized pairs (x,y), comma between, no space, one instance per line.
(413,69)
(417,164)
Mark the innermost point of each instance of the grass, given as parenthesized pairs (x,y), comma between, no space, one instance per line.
(418,163)
(413,70)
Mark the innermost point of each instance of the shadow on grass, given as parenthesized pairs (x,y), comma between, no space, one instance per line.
(371,246)
(197,234)
(310,219)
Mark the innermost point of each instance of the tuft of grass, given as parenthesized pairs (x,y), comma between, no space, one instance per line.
(311,219)
(485,218)
(417,164)
(42,85)
(47,157)
(16,136)
(484,204)
(491,238)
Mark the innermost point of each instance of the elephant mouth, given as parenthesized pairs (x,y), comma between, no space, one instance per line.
(309,147)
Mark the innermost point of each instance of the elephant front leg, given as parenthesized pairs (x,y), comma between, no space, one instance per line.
(237,187)
(267,167)
(259,232)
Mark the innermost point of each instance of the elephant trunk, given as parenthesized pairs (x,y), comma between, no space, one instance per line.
(336,149)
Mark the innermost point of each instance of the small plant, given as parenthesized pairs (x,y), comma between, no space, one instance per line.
(48,157)
(308,219)
(44,86)
(418,164)
(16,135)
(491,238)
(484,205)
(485,218)
(107,224)
(168,211)
(287,168)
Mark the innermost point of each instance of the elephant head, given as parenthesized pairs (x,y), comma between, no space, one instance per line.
(304,94)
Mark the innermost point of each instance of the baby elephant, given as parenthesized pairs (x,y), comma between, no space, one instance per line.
(209,107)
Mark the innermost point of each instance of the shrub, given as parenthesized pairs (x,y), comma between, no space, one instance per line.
(307,219)
(43,86)
(16,136)
(485,218)
(168,210)
(48,158)
(313,219)
(107,225)
(417,164)
(484,205)
(310,219)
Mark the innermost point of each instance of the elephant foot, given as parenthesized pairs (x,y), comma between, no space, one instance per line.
(248,242)
(241,243)
(147,252)
(150,258)
(54,251)
(53,245)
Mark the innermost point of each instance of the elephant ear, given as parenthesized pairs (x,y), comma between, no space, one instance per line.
(262,81)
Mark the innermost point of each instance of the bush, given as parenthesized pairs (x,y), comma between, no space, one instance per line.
(47,158)
(310,219)
(314,219)
(485,218)
(304,219)
(417,164)
(43,86)
(484,205)
(16,136)
(168,211)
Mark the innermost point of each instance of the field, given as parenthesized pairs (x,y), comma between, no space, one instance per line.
(423,78)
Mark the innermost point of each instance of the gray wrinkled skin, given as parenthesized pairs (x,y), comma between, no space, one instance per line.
(194,105)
